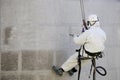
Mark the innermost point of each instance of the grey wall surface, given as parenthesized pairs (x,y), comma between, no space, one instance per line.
(34,35)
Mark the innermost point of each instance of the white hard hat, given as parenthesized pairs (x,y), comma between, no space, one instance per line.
(93,17)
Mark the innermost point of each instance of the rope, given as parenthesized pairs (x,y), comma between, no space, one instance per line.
(83,18)
(96,69)
(79,62)
(82,9)
(83,14)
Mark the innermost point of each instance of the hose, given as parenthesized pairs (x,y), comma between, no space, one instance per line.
(101,68)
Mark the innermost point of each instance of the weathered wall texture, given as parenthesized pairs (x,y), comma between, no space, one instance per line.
(34,35)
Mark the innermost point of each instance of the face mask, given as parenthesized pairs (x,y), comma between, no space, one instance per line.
(90,23)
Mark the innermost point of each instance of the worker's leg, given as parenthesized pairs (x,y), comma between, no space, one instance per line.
(70,63)
(73,61)
(68,66)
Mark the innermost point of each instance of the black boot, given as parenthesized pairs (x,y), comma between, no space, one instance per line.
(58,71)
(72,71)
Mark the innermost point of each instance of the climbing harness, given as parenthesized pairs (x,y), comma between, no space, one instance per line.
(85,27)
(93,56)
(79,61)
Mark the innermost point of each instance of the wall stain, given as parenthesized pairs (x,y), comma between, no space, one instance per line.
(7,35)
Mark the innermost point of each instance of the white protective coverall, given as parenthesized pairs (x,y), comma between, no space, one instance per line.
(93,40)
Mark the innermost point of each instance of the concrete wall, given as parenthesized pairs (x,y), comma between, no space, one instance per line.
(34,36)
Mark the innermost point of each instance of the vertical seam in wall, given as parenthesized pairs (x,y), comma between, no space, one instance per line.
(19,61)
(0,65)
(0,31)
(36,56)
(36,67)
(19,64)
(0,41)
(37,77)
(118,73)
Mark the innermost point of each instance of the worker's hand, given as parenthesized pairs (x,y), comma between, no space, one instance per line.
(72,35)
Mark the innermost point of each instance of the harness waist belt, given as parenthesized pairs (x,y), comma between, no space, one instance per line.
(92,54)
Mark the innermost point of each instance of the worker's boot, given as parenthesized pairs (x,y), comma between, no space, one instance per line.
(72,71)
(57,70)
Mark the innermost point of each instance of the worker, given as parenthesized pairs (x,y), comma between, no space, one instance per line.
(93,41)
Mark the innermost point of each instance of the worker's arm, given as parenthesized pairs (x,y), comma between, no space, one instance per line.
(82,38)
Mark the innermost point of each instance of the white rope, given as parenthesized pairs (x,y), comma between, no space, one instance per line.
(82,9)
